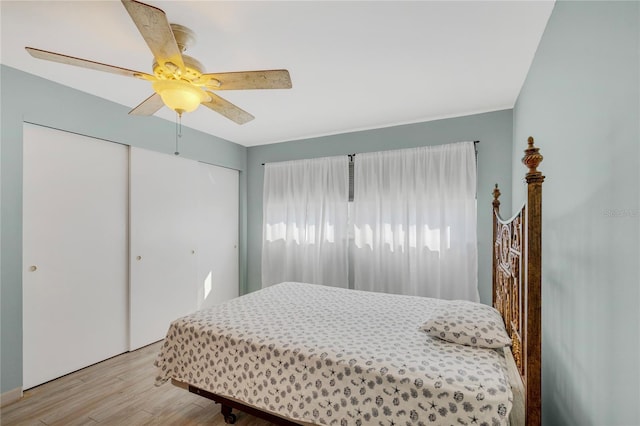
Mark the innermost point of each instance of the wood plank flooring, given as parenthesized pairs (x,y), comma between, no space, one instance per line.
(118,391)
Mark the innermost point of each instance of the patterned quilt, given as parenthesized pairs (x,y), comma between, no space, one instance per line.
(333,356)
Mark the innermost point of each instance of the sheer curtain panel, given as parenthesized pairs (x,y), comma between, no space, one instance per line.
(305,219)
(414,217)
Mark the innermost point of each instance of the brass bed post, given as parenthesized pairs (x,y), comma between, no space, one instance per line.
(534,178)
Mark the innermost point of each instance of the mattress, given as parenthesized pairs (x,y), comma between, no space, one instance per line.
(332,356)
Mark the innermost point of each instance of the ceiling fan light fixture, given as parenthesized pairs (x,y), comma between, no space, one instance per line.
(180,96)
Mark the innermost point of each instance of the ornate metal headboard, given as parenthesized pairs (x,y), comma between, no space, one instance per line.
(517,290)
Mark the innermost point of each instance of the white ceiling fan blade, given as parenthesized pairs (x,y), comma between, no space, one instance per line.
(85,63)
(156,31)
(149,106)
(243,80)
(226,108)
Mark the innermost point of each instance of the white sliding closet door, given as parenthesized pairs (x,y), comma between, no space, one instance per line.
(163,235)
(218,210)
(74,277)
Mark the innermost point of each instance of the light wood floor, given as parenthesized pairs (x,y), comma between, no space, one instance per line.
(118,391)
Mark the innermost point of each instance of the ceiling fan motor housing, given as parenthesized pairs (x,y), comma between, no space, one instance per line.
(185,38)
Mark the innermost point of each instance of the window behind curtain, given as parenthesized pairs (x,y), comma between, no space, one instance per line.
(411,228)
(414,218)
(305,213)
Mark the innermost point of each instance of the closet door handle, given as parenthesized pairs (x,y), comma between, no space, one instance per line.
(33,268)
(138,257)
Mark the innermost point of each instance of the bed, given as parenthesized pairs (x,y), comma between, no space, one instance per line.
(305,354)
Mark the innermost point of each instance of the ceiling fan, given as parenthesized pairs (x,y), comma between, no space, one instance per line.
(179,81)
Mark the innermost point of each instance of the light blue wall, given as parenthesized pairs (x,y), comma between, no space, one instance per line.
(32,99)
(581,102)
(494,130)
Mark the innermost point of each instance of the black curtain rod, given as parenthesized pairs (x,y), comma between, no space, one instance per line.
(353,155)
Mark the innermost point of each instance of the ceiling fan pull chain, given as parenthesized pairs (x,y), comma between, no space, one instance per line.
(178,131)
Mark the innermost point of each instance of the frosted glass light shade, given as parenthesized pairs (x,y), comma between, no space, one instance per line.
(180,96)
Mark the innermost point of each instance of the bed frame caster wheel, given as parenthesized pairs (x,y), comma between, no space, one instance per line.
(229,417)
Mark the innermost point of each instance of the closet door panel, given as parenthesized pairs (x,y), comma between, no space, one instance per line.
(75,276)
(218,210)
(163,219)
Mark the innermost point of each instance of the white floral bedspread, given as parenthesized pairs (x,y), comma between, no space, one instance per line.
(332,356)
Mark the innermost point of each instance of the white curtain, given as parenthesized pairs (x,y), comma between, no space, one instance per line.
(305,218)
(414,217)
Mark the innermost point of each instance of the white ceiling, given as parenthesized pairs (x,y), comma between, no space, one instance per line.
(354,65)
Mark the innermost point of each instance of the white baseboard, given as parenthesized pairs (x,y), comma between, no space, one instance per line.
(10,396)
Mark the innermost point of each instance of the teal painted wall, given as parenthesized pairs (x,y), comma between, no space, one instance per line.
(36,100)
(493,129)
(581,102)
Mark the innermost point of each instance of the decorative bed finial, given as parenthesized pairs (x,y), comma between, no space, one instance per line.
(496,195)
(532,159)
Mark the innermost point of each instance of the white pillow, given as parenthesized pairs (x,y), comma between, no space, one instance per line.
(468,323)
